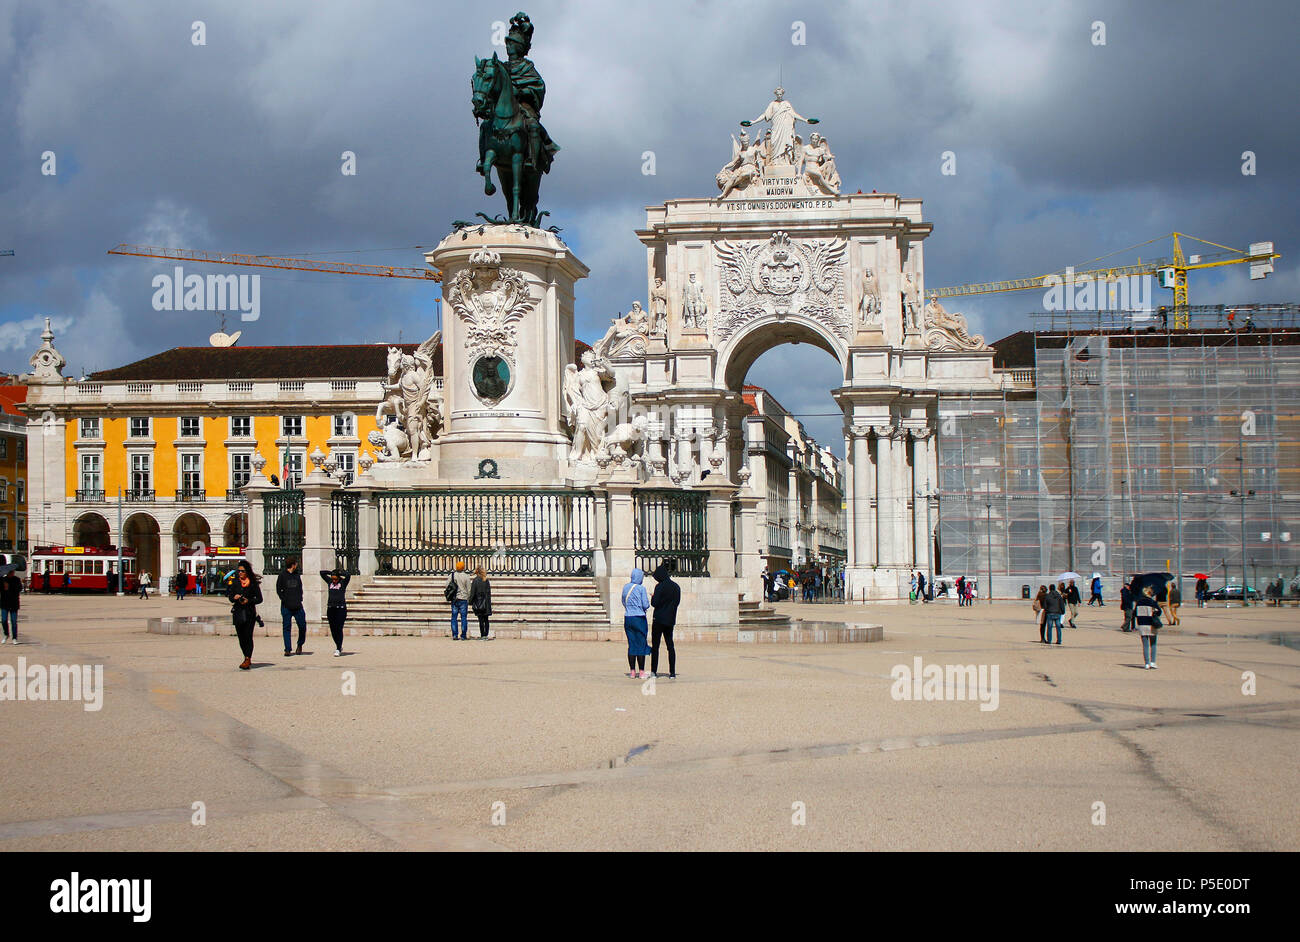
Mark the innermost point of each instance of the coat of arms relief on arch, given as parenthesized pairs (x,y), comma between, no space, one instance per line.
(780,277)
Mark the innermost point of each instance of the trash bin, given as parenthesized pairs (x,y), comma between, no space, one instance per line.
(1024,591)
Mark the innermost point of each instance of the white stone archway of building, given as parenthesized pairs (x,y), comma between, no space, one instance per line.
(234,530)
(141,532)
(91,529)
(191,527)
(740,351)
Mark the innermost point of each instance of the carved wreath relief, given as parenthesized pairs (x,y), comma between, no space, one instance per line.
(780,277)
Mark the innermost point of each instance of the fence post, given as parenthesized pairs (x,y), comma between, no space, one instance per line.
(256,487)
(749,564)
(367,528)
(318,549)
(621,551)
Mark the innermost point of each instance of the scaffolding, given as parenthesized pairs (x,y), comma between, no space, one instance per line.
(1126,451)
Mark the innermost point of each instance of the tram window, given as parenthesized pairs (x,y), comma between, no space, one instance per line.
(78,567)
(99,566)
(128,565)
(58,565)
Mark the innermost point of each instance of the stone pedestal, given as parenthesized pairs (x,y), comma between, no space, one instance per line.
(507,338)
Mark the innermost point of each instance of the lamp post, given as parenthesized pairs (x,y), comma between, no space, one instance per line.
(1242,494)
(119,539)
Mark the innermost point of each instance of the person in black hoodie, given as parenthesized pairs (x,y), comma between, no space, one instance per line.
(245,595)
(336,606)
(11,588)
(288,586)
(667,596)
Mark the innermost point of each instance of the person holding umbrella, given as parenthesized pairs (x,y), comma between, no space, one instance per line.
(1202,589)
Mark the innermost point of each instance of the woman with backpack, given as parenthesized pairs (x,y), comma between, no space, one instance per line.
(635,606)
(480,599)
(245,595)
(336,607)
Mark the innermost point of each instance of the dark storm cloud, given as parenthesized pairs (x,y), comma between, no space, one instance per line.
(1065,150)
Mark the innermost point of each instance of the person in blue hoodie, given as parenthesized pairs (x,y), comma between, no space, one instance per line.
(667,596)
(635,605)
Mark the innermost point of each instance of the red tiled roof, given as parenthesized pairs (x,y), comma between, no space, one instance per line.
(10,395)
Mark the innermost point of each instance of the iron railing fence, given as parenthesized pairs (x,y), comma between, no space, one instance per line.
(523,532)
(671,525)
(344,537)
(285,528)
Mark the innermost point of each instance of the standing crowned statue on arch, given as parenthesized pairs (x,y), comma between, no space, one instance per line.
(784,143)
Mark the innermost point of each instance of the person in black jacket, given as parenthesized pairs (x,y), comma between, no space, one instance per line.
(1054,605)
(336,606)
(480,600)
(245,595)
(288,586)
(667,596)
(11,587)
(1072,601)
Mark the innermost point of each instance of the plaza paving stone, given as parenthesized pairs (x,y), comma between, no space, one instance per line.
(581,757)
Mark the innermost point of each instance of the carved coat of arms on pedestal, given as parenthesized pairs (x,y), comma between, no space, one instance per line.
(780,277)
(491,300)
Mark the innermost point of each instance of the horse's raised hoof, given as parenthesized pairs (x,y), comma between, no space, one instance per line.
(489,188)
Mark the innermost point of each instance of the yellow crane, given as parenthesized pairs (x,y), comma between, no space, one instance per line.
(1170,271)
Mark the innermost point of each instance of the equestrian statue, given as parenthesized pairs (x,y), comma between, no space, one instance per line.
(507,104)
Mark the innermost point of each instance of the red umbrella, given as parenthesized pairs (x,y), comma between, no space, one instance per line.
(1200,575)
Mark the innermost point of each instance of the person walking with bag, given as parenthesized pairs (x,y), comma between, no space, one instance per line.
(336,607)
(245,595)
(480,599)
(288,587)
(1147,616)
(635,605)
(457,593)
(145,582)
(1040,609)
(667,596)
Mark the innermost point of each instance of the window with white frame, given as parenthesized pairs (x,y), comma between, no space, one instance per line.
(4,528)
(139,427)
(191,426)
(4,446)
(90,467)
(345,426)
(241,469)
(141,472)
(191,472)
(291,426)
(90,428)
(4,492)
(22,529)
(292,467)
(347,465)
(22,449)
(241,426)
(21,487)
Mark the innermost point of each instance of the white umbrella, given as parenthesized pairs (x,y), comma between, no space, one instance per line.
(1096,575)
(1067,576)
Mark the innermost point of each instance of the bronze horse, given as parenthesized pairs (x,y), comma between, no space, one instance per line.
(503,141)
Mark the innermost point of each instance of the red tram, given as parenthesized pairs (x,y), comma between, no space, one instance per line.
(79,568)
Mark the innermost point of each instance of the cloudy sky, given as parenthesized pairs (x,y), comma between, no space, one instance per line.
(1065,149)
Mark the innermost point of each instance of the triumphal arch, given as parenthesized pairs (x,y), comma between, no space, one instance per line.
(508,442)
